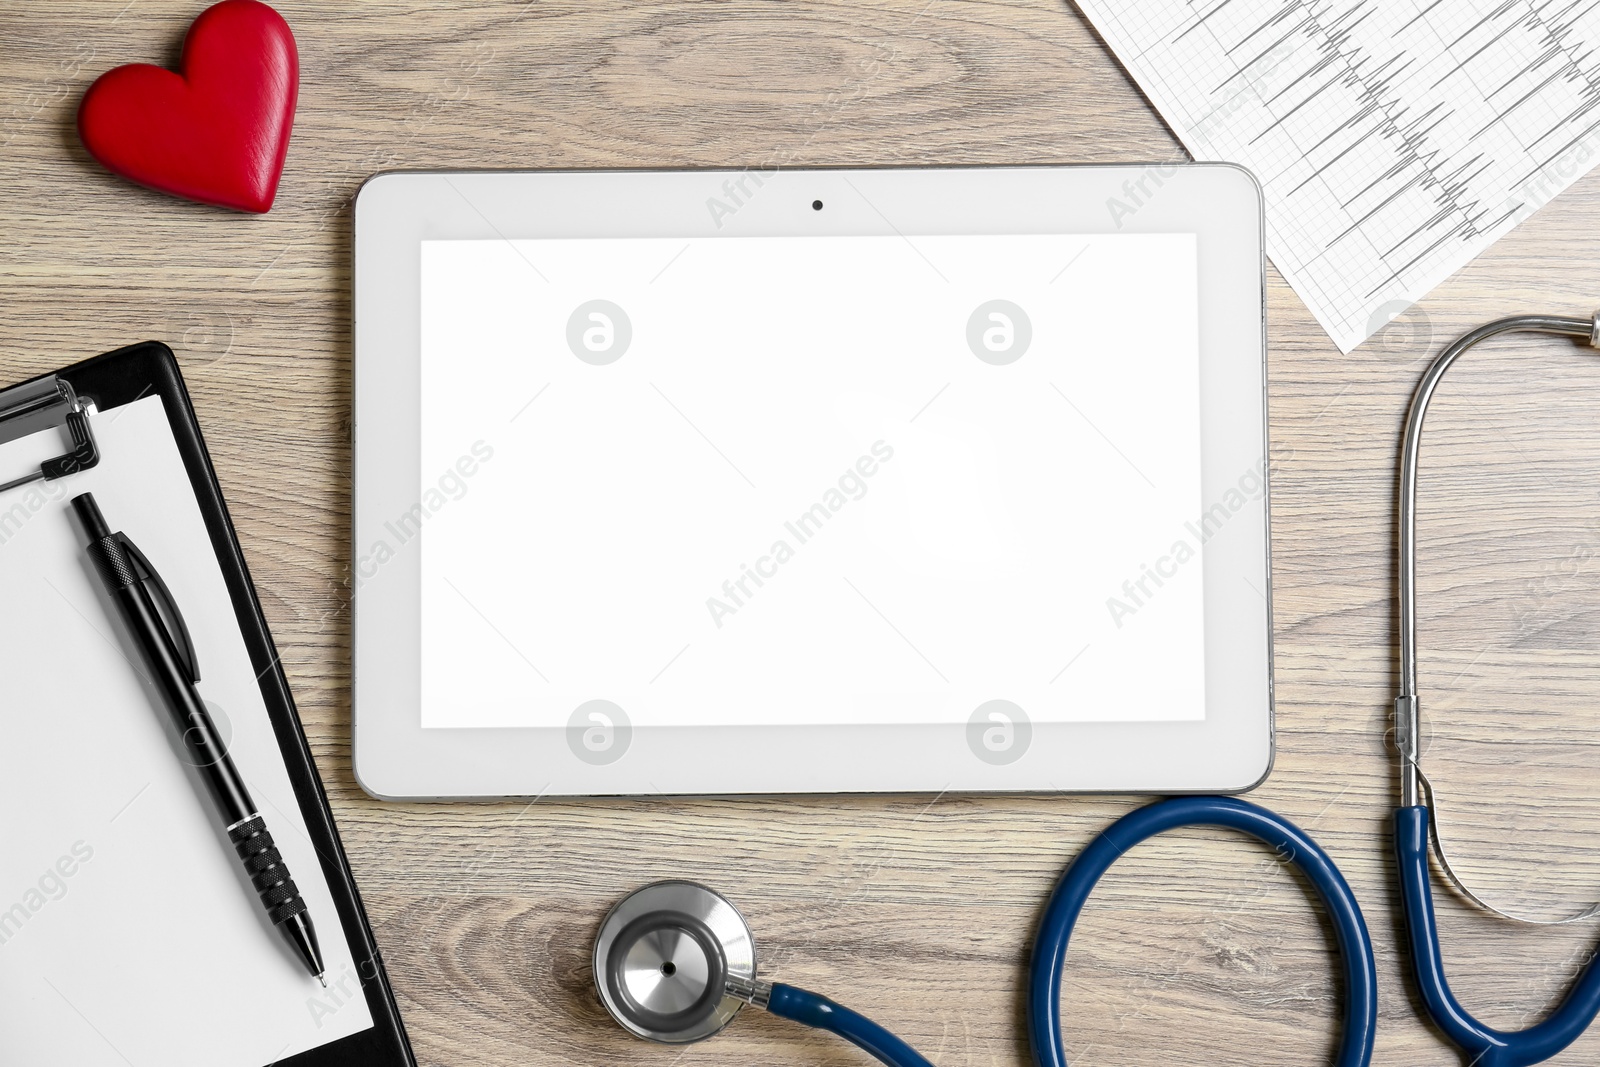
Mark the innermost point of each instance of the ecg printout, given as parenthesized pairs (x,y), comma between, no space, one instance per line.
(1394,139)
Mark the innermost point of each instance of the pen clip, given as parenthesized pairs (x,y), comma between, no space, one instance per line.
(177,629)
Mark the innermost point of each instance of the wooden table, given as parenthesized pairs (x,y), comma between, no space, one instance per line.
(916,910)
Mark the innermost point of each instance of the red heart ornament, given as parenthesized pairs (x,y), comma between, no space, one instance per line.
(217,132)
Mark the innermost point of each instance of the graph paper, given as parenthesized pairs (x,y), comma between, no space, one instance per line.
(1394,139)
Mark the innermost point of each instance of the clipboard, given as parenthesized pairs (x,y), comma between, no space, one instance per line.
(88,403)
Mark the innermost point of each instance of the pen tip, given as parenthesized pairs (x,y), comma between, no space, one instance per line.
(323,979)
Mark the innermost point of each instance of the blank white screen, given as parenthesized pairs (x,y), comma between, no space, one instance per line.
(597,531)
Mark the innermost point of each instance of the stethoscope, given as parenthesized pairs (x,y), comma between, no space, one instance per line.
(1483,1045)
(675,961)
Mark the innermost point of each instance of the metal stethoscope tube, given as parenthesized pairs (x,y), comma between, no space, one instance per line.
(1406,709)
(1484,1045)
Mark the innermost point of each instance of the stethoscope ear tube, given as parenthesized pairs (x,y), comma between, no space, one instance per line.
(1484,1045)
(1292,845)
(1408,705)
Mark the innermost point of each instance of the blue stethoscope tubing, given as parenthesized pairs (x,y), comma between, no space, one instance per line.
(1291,843)
(1483,1045)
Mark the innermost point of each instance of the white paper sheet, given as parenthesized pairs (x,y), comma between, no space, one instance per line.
(128,933)
(1395,139)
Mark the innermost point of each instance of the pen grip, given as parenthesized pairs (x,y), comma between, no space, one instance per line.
(112,561)
(265,866)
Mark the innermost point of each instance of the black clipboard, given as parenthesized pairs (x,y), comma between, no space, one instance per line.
(149,369)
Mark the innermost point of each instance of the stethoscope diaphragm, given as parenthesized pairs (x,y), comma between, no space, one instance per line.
(664,957)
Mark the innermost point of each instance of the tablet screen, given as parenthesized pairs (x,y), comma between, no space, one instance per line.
(809,480)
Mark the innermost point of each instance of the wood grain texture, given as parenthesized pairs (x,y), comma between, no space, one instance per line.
(915,910)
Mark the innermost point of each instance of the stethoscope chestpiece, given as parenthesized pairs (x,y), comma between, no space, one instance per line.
(664,957)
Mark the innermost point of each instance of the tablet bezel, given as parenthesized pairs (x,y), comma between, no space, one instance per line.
(1229,751)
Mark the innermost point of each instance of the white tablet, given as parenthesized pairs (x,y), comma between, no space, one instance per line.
(811,481)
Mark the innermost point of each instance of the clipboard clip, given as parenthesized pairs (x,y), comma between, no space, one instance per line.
(35,406)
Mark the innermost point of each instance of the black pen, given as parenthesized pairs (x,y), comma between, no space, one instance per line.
(169,654)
